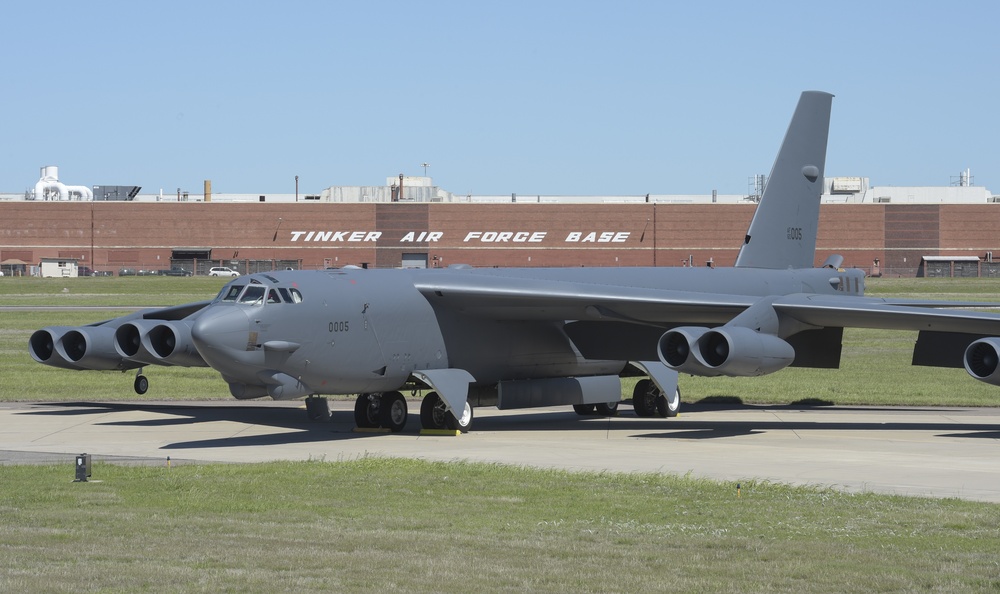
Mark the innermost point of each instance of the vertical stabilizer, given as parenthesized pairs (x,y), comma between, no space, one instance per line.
(782,233)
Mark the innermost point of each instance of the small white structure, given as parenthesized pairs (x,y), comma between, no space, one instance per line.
(50,188)
(59,268)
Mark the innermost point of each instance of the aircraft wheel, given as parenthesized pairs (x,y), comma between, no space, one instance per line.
(366,411)
(464,423)
(141,384)
(644,398)
(394,411)
(669,407)
(607,409)
(433,412)
(584,409)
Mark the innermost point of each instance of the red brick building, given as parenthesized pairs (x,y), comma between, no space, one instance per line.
(255,236)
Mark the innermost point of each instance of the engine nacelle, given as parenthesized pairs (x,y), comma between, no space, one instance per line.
(170,343)
(91,347)
(42,346)
(728,350)
(739,351)
(77,347)
(676,350)
(982,360)
(128,341)
(156,342)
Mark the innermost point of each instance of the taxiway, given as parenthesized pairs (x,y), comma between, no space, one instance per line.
(937,452)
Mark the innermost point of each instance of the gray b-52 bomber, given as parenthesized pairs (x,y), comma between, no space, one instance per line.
(526,337)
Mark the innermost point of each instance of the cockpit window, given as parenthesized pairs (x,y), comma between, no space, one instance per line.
(257,293)
(254,295)
(231,293)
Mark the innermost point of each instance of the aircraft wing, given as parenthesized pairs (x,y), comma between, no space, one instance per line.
(622,322)
(891,314)
(507,298)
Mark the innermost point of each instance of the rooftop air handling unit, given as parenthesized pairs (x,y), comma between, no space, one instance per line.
(50,188)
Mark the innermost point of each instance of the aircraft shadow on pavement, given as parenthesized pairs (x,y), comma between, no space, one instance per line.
(297,428)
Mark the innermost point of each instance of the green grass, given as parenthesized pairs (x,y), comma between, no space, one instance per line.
(126,291)
(405,525)
(952,289)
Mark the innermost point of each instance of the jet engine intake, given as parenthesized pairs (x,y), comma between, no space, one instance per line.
(128,341)
(982,360)
(676,347)
(42,346)
(170,342)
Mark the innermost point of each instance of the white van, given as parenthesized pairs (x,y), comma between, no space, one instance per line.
(222,271)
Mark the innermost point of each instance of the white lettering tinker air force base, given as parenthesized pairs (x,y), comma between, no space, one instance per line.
(470,237)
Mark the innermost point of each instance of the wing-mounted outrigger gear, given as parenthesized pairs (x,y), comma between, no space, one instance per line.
(659,395)
(141,383)
(450,398)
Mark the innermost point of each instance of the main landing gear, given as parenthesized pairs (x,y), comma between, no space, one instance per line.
(388,410)
(647,400)
(385,410)
(604,409)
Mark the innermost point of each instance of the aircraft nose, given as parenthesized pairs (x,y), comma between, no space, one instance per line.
(222,334)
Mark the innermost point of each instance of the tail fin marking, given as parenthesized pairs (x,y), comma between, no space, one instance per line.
(782,233)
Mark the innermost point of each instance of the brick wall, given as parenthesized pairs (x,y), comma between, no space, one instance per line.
(107,236)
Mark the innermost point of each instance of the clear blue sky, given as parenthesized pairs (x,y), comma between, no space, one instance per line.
(535,97)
